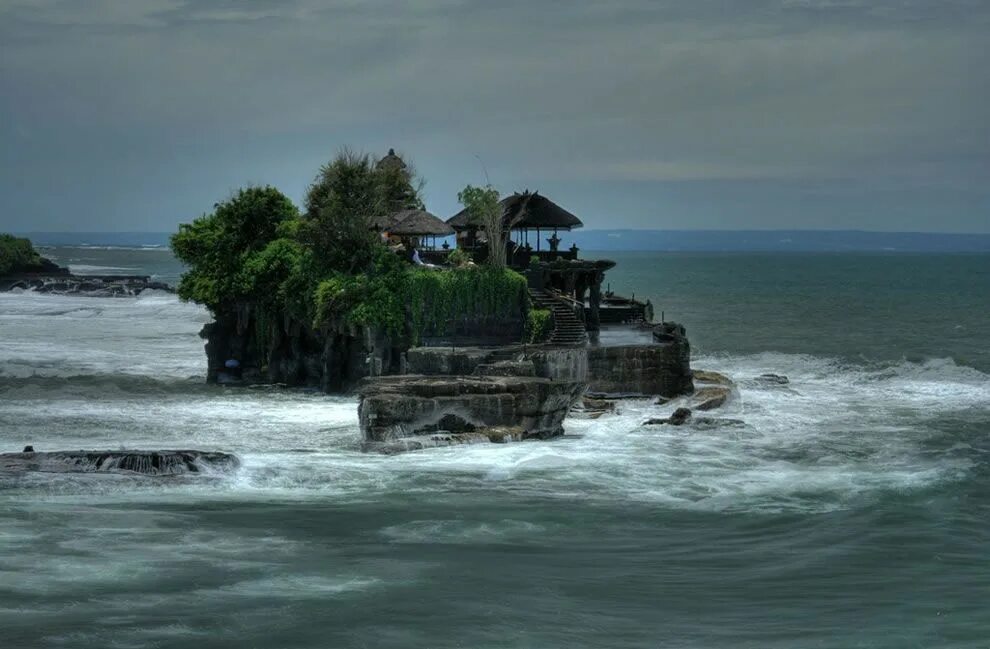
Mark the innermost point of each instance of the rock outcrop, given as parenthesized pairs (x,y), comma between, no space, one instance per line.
(560,363)
(64,283)
(495,435)
(642,370)
(683,416)
(414,408)
(710,397)
(708,376)
(678,418)
(292,353)
(151,463)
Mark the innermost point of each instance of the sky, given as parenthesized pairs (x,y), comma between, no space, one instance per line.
(136,115)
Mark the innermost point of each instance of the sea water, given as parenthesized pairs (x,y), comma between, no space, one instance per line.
(850,509)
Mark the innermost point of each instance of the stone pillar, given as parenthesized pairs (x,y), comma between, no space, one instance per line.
(594,323)
(570,281)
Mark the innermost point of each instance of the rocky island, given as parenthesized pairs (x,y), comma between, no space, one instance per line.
(491,340)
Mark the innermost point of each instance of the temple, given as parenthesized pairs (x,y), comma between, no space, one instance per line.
(559,279)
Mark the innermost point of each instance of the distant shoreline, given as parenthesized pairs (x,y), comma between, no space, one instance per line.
(627,240)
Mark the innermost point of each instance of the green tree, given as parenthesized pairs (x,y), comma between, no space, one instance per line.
(217,247)
(485,211)
(347,194)
(17,255)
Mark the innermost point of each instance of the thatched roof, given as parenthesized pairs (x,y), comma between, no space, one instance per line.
(537,212)
(391,161)
(417,223)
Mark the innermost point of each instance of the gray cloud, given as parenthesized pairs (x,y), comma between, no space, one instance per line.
(703,113)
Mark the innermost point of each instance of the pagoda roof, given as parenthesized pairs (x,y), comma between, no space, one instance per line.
(525,211)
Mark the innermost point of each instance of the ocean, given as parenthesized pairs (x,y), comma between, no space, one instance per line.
(852,508)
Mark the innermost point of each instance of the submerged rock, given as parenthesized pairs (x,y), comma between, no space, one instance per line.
(710,397)
(598,405)
(683,416)
(153,463)
(708,376)
(411,408)
(494,435)
(773,379)
(708,423)
(679,417)
(85,285)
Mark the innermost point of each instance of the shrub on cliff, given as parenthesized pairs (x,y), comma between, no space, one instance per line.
(404,300)
(224,250)
(17,255)
(539,325)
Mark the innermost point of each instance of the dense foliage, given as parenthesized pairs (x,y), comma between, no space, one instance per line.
(347,194)
(220,248)
(539,325)
(411,301)
(17,255)
(327,267)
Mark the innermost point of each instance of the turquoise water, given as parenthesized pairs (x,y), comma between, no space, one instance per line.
(852,509)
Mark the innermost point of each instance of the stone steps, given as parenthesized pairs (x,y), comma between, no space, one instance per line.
(568,328)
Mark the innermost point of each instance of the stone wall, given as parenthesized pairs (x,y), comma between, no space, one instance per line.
(505,330)
(558,363)
(660,369)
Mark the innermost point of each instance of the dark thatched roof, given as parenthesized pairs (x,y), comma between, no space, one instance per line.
(537,212)
(391,161)
(417,223)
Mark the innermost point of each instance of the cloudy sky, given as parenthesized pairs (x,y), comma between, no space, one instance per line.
(687,114)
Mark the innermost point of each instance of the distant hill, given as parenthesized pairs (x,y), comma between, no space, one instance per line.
(668,240)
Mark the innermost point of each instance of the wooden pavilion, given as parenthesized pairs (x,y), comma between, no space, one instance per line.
(528,216)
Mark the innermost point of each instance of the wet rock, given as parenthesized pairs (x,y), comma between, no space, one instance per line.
(603,405)
(506,368)
(683,416)
(710,397)
(64,283)
(152,463)
(408,406)
(645,370)
(587,414)
(708,423)
(445,361)
(773,379)
(28,449)
(679,417)
(493,435)
(707,376)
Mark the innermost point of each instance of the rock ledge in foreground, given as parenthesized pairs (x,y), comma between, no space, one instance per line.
(426,411)
(153,463)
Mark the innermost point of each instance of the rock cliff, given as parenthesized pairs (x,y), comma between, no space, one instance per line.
(397,408)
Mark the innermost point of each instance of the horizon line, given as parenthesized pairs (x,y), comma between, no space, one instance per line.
(713,230)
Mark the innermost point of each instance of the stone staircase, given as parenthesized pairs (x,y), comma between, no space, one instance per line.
(568,327)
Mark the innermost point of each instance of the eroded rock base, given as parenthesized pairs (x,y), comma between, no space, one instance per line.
(428,411)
